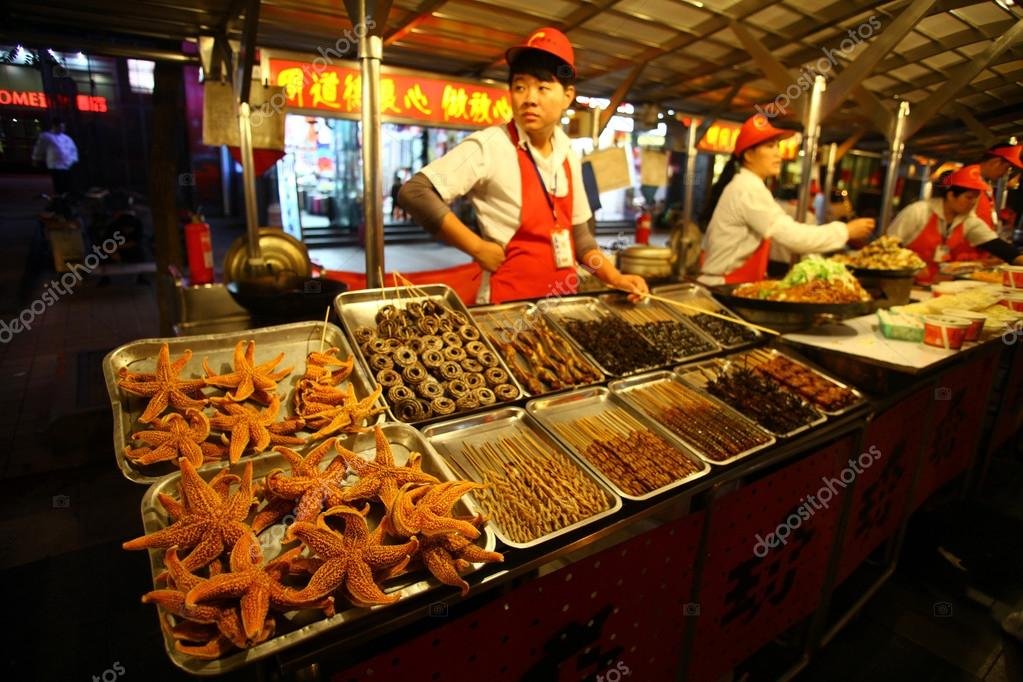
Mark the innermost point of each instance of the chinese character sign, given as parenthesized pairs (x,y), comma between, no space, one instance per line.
(425,98)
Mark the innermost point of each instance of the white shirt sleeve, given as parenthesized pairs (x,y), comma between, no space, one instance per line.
(910,222)
(580,204)
(72,153)
(458,171)
(977,231)
(763,215)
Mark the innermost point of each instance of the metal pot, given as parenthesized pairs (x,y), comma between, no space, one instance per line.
(647,261)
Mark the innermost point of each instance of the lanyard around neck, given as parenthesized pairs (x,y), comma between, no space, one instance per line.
(543,185)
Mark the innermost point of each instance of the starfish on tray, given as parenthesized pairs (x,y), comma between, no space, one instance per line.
(380,478)
(255,585)
(349,558)
(350,417)
(248,379)
(176,436)
(309,489)
(256,429)
(426,510)
(163,387)
(208,523)
(446,555)
(319,366)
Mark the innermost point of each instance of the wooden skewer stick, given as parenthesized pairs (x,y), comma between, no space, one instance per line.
(696,309)
(323,334)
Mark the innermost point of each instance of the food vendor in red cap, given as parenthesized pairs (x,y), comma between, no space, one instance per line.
(945,228)
(997,161)
(745,218)
(526,185)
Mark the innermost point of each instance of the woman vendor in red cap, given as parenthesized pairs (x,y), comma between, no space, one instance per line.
(526,185)
(997,161)
(745,218)
(945,228)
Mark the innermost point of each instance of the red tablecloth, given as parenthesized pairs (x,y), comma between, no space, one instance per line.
(464,279)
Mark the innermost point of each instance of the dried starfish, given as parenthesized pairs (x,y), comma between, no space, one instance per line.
(426,510)
(349,558)
(445,555)
(164,387)
(209,524)
(319,364)
(350,417)
(314,488)
(381,478)
(176,437)
(248,379)
(254,428)
(255,584)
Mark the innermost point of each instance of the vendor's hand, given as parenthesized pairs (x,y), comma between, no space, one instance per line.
(860,229)
(488,255)
(632,283)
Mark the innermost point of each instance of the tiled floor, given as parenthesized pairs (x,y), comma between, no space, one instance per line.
(73,594)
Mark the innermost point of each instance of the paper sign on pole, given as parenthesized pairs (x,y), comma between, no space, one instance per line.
(611,168)
(654,168)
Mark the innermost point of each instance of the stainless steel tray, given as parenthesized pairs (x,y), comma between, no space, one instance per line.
(294,340)
(359,308)
(697,296)
(760,355)
(303,625)
(522,317)
(588,402)
(619,304)
(625,387)
(448,437)
(694,375)
(556,310)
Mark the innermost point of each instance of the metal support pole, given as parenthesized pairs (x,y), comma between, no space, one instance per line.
(370,53)
(811,134)
(894,161)
(829,181)
(926,186)
(255,262)
(690,178)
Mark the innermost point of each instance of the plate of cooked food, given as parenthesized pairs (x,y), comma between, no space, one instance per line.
(885,257)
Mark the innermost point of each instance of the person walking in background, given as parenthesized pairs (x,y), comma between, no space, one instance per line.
(396,211)
(59,153)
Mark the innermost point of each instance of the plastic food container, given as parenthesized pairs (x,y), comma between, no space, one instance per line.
(900,327)
(976,322)
(945,332)
(1014,301)
(1012,276)
(955,287)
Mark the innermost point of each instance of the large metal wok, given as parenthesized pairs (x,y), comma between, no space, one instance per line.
(788,316)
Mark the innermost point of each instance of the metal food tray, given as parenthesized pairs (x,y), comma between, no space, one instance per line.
(306,623)
(583,308)
(447,437)
(693,375)
(860,398)
(623,387)
(615,302)
(295,340)
(522,313)
(359,308)
(699,297)
(588,402)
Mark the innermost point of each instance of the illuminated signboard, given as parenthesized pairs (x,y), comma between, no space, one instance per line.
(721,135)
(39,100)
(338,89)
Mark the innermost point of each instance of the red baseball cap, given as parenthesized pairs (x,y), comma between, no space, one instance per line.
(756,130)
(967,177)
(1009,153)
(549,40)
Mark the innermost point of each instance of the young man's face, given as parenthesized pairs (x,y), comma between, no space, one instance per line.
(539,105)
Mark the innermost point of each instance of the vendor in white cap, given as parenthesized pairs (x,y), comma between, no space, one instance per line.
(745,218)
(526,185)
(945,228)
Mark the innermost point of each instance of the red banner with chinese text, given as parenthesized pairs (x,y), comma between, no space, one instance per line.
(338,90)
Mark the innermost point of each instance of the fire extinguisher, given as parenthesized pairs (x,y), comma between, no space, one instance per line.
(200,250)
(643,223)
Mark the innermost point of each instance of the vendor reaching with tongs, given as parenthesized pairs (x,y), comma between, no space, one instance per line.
(526,184)
(745,218)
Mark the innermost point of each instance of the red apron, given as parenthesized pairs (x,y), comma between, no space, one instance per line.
(529,270)
(754,268)
(986,210)
(929,239)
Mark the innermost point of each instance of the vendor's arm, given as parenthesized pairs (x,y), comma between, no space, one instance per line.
(763,215)
(983,237)
(604,269)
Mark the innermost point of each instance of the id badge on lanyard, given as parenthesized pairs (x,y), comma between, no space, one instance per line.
(561,244)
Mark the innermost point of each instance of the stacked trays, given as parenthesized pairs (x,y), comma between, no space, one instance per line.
(767,402)
(828,395)
(535,485)
(730,335)
(423,348)
(295,627)
(540,357)
(294,341)
(658,324)
(711,429)
(611,342)
(630,451)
